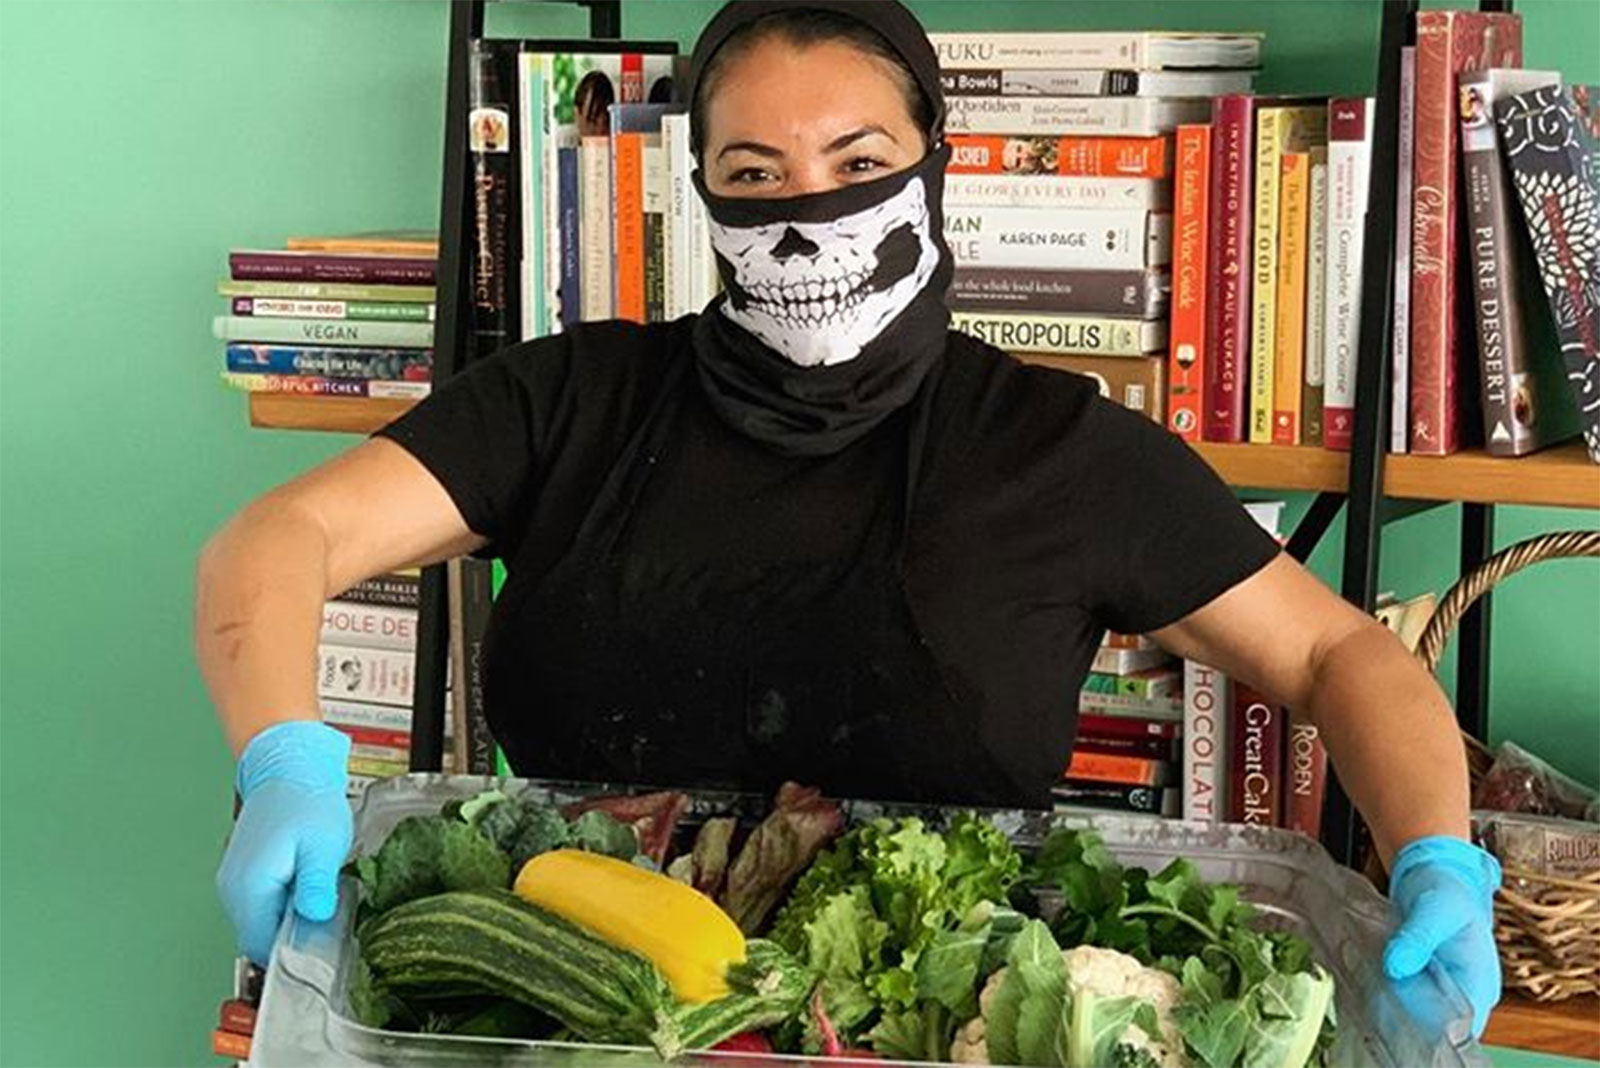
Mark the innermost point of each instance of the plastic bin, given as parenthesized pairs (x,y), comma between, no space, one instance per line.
(304,1019)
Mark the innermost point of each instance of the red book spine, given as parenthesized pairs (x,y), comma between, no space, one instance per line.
(229,1045)
(1448,42)
(1186,369)
(1149,747)
(330,267)
(237,1016)
(628,198)
(1128,727)
(1307,778)
(1112,767)
(1228,267)
(374,736)
(1256,777)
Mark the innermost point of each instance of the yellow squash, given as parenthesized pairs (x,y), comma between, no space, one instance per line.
(674,926)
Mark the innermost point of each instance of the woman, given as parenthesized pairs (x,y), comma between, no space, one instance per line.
(810,533)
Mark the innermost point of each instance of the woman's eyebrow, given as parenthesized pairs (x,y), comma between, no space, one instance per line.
(846,140)
(751,146)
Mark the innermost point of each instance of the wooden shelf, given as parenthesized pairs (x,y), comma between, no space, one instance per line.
(346,415)
(1568,1028)
(1561,477)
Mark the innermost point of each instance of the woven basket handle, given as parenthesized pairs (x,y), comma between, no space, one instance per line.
(1506,562)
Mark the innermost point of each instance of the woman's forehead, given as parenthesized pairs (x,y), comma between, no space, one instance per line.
(777,83)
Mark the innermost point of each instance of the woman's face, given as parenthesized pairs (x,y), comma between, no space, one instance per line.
(783,121)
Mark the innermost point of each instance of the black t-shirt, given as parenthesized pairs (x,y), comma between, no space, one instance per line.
(1041,515)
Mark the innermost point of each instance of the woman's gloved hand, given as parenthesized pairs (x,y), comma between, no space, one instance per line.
(292,834)
(1444,890)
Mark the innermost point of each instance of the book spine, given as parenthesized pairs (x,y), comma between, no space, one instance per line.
(418,246)
(361,716)
(569,292)
(1305,778)
(1078,116)
(555,136)
(530,119)
(1110,767)
(1228,273)
(1449,43)
(390,591)
(1264,266)
(1349,175)
(369,626)
(370,768)
(1400,353)
(1113,797)
(627,193)
(351,332)
(1136,294)
(1073,157)
(1058,240)
(377,676)
(238,1016)
(675,240)
(273,308)
(409,365)
(230,1045)
(655,221)
(1152,683)
(1138,383)
(1113,640)
(489,138)
(1146,747)
(1186,373)
(477,589)
(1256,781)
(1127,661)
(1057,81)
(1558,193)
(1117,705)
(595,197)
(1055,191)
(317,385)
(330,267)
(326,291)
(1062,334)
(1206,709)
(1128,727)
(1289,332)
(1312,396)
(1110,51)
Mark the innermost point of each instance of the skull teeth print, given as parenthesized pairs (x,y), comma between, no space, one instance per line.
(819,292)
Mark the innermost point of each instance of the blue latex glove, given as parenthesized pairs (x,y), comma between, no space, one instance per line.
(1444,890)
(292,834)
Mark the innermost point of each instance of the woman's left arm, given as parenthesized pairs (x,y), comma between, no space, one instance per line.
(1393,739)
(1387,726)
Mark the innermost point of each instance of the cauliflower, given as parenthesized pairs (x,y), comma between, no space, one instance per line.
(1093,973)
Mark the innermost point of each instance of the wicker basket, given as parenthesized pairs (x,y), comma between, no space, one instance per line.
(1548,928)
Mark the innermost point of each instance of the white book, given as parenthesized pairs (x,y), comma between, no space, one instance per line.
(369,625)
(679,228)
(530,174)
(1114,50)
(1206,704)
(1349,175)
(1059,81)
(1127,661)
(1400,398)
(1316,274)
(350,673)
(373,717)
(1058,238)
(1055,191)
(1078,116)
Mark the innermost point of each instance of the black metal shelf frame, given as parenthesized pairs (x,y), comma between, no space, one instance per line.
(1367,509)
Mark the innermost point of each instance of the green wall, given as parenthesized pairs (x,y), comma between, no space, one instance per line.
(140,141)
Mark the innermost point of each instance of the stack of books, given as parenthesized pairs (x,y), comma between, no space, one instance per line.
(332,316)
(1059,201)
(1129,747)
(366,673)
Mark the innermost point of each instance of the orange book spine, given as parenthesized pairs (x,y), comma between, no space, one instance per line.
(1186,367)
(628,226)
(1079,157)
(228,1044)
(1112,767)
(1288,385)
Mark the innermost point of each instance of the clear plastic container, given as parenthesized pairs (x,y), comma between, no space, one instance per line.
(305,1021)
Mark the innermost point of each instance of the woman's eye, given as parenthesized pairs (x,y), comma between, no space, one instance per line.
(749,176)
(863,165)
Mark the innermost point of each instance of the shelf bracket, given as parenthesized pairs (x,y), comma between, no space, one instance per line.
(1308,533)
(1472,637)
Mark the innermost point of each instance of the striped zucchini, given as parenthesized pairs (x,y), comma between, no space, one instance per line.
(493,942)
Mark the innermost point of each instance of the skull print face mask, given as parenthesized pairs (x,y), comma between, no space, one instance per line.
(833,307)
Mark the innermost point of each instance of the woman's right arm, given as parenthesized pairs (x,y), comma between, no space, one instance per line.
(262,579)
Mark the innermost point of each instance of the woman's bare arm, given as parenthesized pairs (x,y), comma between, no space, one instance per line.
(262,579)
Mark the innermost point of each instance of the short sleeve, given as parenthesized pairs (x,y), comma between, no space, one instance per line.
(485,433)
(1167,535)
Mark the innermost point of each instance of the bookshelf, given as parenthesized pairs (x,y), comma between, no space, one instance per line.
(1561,477)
